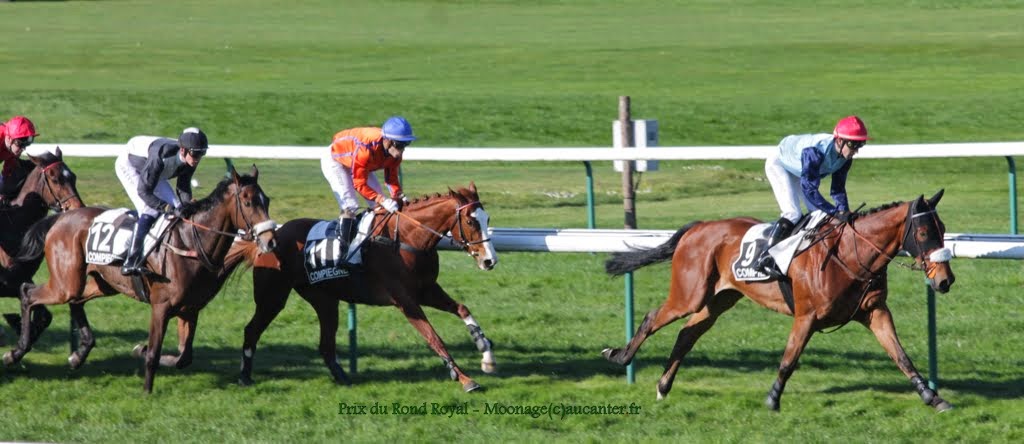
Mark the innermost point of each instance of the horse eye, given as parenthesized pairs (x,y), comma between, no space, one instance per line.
(922,233)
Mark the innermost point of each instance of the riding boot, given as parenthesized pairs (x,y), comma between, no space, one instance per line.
(766,263)
(344,235)
(133,263)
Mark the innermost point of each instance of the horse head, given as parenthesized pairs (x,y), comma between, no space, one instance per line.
(457,215)
(470,229)
(923,238)
(252,209)
(52,181)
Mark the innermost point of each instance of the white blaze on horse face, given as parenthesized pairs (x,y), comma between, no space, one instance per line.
(483,218)
(941,255)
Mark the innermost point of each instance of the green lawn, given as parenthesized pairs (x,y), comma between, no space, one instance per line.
(533,73)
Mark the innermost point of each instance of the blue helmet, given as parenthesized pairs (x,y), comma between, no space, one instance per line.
(397,128)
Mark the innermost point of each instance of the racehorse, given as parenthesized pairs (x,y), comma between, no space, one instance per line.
(48,184)
(187,268)
(841,277)
(400,268)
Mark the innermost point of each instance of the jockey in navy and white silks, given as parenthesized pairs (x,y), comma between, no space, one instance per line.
(796,168)
(795,171)
(145,169)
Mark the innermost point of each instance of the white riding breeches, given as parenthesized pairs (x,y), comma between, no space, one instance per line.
(787,189)
(339,177)
(130,180)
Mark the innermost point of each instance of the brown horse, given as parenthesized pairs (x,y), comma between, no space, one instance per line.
(400,268)
(841,277)
(48,184)
(187,267)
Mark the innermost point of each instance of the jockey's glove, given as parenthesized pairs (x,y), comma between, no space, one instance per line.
(843,216)
(389,204)
(171,210)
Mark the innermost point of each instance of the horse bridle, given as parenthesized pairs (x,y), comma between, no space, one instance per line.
(938,254)
(251,233)
(462,243)
(58,204)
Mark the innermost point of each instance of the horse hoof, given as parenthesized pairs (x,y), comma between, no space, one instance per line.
(488,367)
(772,404)
(139,351)
(245,381)
(609,354)
(74,361)
(8,359)
(943,406)
(660,395)
(472,386)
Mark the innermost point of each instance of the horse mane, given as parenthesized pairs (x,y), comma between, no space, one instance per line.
(431,198)
(881,208)
(216,196)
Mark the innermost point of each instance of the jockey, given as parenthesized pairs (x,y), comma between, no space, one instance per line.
(145,168)
(15,135)
(795,170)
(355,154)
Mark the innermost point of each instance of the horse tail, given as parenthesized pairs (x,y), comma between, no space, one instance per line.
(622,263)
(30,255)
(32,245)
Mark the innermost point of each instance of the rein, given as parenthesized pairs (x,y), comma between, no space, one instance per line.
(463,243)
(200,253)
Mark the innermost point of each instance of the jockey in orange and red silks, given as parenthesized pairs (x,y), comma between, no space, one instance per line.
(354,155)
(15,135)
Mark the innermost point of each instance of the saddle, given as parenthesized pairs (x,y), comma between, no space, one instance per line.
(755,242)
(111,232)
(324,259)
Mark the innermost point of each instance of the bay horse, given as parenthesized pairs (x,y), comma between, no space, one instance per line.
(47,184)
(841,277)
(187,268)
(400,271)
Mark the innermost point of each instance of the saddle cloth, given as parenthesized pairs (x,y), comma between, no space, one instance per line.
(755,241)
(111,233)
(323,258)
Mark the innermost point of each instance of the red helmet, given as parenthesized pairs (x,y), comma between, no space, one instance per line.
(19,127)
(851,128)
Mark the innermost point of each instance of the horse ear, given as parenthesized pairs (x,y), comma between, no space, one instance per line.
(935,199)
(450,192)
(59,155)
(234,175)
(254,172)
(472,186)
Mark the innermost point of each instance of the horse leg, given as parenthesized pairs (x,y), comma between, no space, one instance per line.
(269,295)
(24,344)
(86,341)
(653,321)
(32,296)
(419,321)
(186,333)
(41,318)
(435,296)
(327,312)
(799,335)
(880,323)
(685,297)
(157,329)
(699,324)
